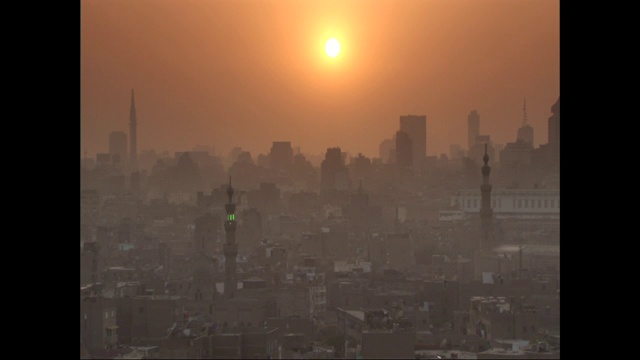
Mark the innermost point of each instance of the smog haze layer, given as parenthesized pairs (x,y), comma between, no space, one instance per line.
(247,73)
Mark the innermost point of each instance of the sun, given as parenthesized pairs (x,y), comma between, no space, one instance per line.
(332,47)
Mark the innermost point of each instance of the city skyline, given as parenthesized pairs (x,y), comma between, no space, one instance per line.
(202,79)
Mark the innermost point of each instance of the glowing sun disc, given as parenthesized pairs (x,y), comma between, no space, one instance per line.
(332,47)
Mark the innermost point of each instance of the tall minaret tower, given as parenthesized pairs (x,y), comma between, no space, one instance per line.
(133,122)
(486,212)
(230,247)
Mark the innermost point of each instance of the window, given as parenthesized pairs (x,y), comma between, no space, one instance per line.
(553,203)
(524,329)
(519,203)
(140,310)
(526,203)
(546,203)
(475,203)
(106,315)
(539,203)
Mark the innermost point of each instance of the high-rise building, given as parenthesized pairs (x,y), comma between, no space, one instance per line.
(281,155)
(118,146)
(333,172)
(385,150)
(416,127)
(554,131)
(473,128)
(230,247)
(525,133)
(404,151)
(133,123)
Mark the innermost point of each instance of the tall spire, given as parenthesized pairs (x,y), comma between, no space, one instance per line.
(230,247)
(486,212)
(133,123)
(524,111)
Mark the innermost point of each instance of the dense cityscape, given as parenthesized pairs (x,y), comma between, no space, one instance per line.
(201,255)
(319,179)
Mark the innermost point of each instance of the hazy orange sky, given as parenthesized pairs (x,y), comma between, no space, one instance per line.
(247,73)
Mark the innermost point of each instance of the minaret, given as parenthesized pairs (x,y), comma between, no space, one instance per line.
(230,247)
(133,122)
(486,212)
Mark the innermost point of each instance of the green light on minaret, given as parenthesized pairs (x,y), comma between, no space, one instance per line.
(231,217)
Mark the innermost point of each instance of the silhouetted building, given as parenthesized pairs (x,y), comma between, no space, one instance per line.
(525,133)
(404,151)
(118,146)
(133,124)
(281,155)
(206,227)
(333,172)
(416,127)
(266,199)
(250,234)
(554,131)
(516,154)
(386,150)
(473,128)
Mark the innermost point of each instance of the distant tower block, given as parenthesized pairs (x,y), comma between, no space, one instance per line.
(133,123)
(525,133)
(473,128)
(486,212)
(416,127)
(230,247)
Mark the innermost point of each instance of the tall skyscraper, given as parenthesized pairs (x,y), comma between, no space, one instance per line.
(230,247)
(334,174)
(118,146)
(554,131)
(133,123)
(281,155)
(525,133)
(416,127)
(404,151)
(486,212)
(473,128)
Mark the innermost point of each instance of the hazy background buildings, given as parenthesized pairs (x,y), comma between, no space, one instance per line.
(252,199)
